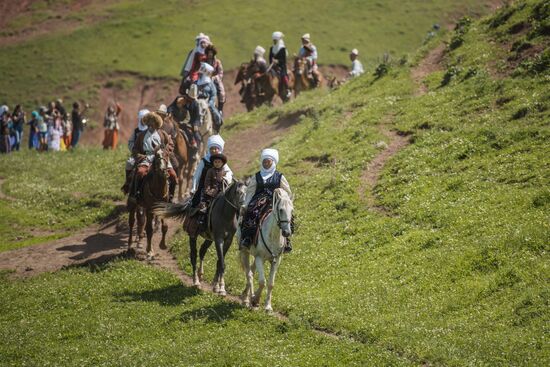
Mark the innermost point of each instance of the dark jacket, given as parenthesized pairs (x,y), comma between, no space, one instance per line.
(281,58)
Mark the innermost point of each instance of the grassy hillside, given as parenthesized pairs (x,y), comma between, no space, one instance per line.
(456,273)
(77,52)
(453,272)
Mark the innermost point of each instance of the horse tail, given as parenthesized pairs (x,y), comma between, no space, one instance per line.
(170,210)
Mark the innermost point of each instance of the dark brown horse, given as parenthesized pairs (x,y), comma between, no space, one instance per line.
(302,81)
(154,189)
(263,89)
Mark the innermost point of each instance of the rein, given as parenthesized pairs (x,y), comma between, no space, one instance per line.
(279,221)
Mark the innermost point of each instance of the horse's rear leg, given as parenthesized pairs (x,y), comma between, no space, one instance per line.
(261,281)
(164,226)
(271,283)
(202,253)
(193,258)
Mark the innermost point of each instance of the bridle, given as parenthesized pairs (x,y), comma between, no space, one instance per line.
(279,222)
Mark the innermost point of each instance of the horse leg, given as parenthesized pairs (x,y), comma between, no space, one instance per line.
(164,226)
(219,269)
(140,225)
(261,281)
(204,247)
(131,221)
(226,245)
(245,263)
(149,231)
(271,283)
(193,258)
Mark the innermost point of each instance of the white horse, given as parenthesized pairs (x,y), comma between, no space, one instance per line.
(274,230)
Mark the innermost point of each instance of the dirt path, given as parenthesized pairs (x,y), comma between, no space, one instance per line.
(372,173)
(431,63)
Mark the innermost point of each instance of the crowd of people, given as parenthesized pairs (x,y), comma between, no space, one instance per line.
(50,128)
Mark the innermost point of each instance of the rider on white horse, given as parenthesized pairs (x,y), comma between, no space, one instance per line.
(214,145)
(259,196)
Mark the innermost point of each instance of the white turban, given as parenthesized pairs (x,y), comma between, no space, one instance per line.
(277,35)
(355,52)
(3,109)
(141,114)
(259,50)
(215,141)
(272,154)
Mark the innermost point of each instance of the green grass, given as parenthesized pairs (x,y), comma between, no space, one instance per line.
(457,274)
(57,193)
(129,314)
(153,38)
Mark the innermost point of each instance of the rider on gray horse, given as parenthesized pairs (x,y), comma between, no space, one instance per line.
(259,196)
(207,90)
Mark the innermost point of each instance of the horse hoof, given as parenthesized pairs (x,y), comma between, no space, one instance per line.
(162,246)
(150,256)
(222,292)
(269,310)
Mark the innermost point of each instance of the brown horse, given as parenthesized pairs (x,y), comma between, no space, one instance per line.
(263,89)
(184,153)
(301,79)
(154,189)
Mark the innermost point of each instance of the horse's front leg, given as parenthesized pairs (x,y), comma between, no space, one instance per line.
(131,221)
(217,285)
(226,245)
(193,258)
(261,281)
(202,253)
(140,225)
(149,231)
(164,227)
(271,283)
(245,263)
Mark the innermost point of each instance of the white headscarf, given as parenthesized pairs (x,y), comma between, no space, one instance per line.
(141,114)
(272,154)
(259,51)
(191,56)
(206,70)
(214,141)
(278,36)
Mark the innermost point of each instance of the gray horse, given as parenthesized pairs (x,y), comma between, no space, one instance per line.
(221,229)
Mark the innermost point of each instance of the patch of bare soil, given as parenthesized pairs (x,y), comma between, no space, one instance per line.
(431,63)
(374,169)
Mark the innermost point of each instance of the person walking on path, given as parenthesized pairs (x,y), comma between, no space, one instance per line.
(18,119)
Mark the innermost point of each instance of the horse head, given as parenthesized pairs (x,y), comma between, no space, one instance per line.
(160,163)
(299,65)
(282,208)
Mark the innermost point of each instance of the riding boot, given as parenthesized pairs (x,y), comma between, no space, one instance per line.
(220,107)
